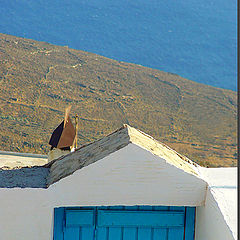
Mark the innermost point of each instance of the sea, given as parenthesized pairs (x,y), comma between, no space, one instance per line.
(194,39)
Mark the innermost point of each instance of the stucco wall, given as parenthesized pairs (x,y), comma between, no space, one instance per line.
(210,222)
(130,176)
(218,219)
(25,214)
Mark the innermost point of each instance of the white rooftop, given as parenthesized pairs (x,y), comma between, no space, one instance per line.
(10,160)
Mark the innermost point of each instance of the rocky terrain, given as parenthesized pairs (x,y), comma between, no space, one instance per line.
(38,80)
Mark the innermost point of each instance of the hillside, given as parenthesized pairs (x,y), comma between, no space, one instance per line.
(195,39)
(38,80)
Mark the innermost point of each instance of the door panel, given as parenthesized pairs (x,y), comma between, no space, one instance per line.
(175,233)
(78,233)
(87,233)
(144,233)
(79,218)
(129,233)
(71,233)
(102,233)
(124,223)
(160,233)
(115,233)
(190,222)
(79,224)
(140,218)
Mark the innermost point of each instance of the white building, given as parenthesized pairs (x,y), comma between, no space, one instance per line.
(124,186)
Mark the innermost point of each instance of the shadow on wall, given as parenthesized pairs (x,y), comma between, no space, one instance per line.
(210,222)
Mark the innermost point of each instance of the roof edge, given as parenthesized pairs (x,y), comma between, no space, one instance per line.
(87,154)
(162,150)
(94,151)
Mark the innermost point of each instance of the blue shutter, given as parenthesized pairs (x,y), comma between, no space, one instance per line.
(58,224)
(190,223)
(124,223)
(79,218)
(141,223)
(109,218)
(75,224)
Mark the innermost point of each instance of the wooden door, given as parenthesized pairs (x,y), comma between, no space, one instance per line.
(124,223)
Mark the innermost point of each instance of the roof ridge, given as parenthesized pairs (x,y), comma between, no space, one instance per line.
(120,138)
(87,154)
(136,140)
(85,145)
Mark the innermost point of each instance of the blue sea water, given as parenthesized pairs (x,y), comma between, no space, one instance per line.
(195,39)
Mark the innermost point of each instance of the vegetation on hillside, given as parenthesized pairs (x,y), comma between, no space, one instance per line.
(38,80)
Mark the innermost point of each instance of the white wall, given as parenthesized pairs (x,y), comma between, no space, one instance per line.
(218,219)
(25,214)
(210,223)
(130,176)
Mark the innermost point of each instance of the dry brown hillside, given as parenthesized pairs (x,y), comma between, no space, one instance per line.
(38,80)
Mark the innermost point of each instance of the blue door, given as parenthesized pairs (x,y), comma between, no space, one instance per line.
(124,223)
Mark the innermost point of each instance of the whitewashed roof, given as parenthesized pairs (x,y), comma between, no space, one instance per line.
(82,157)
(22,170)
(11,160)
(17,170)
